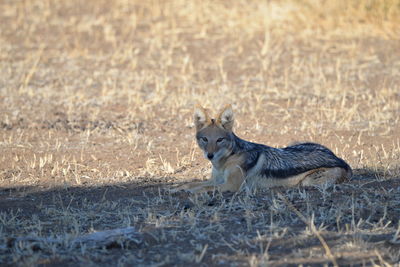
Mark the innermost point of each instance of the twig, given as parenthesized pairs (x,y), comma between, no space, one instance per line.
(328,251)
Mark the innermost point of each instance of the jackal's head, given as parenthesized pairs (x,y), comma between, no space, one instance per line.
(214,136)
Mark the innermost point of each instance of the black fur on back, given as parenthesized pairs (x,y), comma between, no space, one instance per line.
(288,161)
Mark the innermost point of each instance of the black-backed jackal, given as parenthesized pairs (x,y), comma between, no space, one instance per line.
(237,163)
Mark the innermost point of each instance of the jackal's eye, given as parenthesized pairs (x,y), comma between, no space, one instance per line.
(204,139)
(219,140)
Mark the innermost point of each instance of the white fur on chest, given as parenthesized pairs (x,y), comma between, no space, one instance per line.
(218,175)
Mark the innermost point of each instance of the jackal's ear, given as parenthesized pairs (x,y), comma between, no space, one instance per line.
(226,118)
(201,117)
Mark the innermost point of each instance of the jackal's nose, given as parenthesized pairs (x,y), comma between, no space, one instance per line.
(210,155)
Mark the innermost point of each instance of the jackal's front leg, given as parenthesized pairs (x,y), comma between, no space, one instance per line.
(231,180)
(205,186)
(195,187)
(234,179)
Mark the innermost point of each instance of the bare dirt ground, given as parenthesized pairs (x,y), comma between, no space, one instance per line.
(96,102)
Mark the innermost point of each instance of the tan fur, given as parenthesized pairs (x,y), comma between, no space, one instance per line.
(309,178)
(201,117)
(228,174)
(228,177)
(225,118)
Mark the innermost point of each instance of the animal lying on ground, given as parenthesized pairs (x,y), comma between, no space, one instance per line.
(237,163)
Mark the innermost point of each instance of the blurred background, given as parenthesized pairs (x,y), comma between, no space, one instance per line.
(100,91)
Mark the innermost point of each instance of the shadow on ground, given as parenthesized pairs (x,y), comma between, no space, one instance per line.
(358,221)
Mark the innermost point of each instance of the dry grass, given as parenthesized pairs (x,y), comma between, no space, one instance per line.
(95,120)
